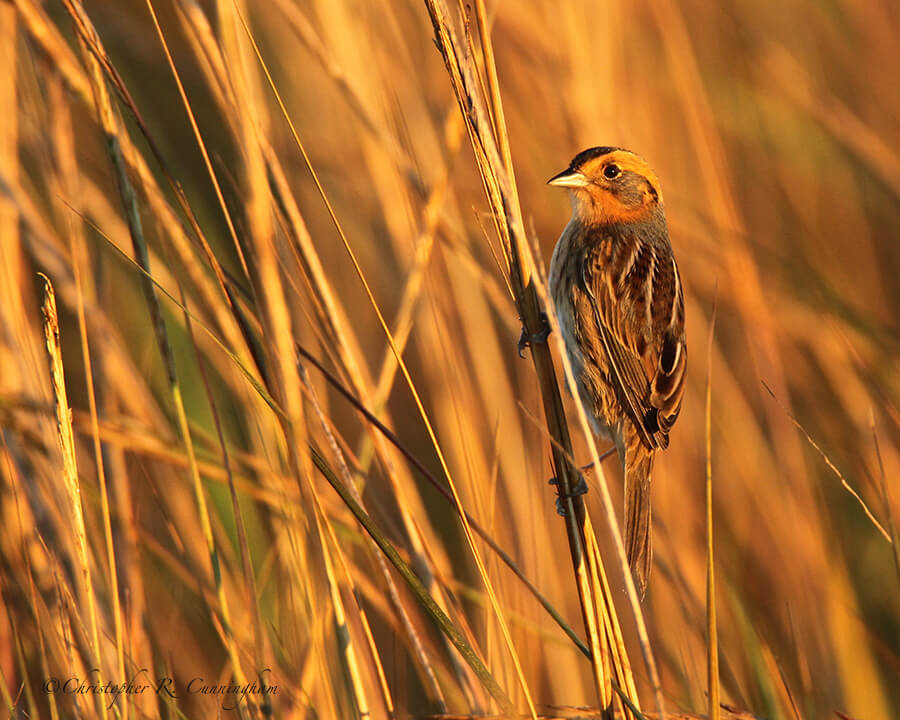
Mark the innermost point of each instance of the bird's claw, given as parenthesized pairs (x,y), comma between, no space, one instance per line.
(526,340)
(581,487)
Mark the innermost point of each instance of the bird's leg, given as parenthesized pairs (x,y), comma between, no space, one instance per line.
(583,469)
(526,340)
(580,488)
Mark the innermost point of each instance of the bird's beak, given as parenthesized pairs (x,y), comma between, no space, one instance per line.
(569,178)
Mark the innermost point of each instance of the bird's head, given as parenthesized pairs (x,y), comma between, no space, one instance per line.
(610,185)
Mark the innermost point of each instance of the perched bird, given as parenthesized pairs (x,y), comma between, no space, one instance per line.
(618,298)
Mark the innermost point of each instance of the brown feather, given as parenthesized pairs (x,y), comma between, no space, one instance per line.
(636,533)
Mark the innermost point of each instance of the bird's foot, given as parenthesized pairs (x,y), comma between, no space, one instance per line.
(526,340)
(580,488)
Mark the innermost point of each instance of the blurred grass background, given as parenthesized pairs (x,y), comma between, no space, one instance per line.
(773,128)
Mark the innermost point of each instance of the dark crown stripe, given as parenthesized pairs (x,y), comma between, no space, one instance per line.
(589,154)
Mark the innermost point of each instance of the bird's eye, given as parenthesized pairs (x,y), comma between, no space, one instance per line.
(611,172)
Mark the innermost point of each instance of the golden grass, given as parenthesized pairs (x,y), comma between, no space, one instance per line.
(285,438)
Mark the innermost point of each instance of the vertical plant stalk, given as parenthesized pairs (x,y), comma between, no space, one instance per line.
(621,665)
(250,587)
(346,646)
(130,207)
(602,665)
(470,539)
(274,316)
(9,142)
(506,219)
(47,37)
(68,172)
(347,347)
(66,440)
(4,691)
(332,317)
(520,266)
(371,444)
(324,527)
(499,124)
(202,145)
(712,633)
(23,671)
(279,320)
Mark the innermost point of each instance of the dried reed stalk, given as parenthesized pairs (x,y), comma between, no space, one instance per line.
(487,131)
(98,63)
(712,632)
(71,482)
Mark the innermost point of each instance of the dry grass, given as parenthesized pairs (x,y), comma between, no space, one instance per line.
(291,243)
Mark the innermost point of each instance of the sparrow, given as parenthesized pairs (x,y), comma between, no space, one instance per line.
(618,299)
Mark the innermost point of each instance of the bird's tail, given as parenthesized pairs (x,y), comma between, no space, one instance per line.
(638,542)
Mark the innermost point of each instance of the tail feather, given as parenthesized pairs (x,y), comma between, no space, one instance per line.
(638,541)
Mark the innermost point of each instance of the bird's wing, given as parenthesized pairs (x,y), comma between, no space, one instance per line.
(638,309)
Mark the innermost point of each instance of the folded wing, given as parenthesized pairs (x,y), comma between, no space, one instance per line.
(638,308)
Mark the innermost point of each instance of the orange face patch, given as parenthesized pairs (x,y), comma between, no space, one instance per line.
(627,197)
(626,161)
